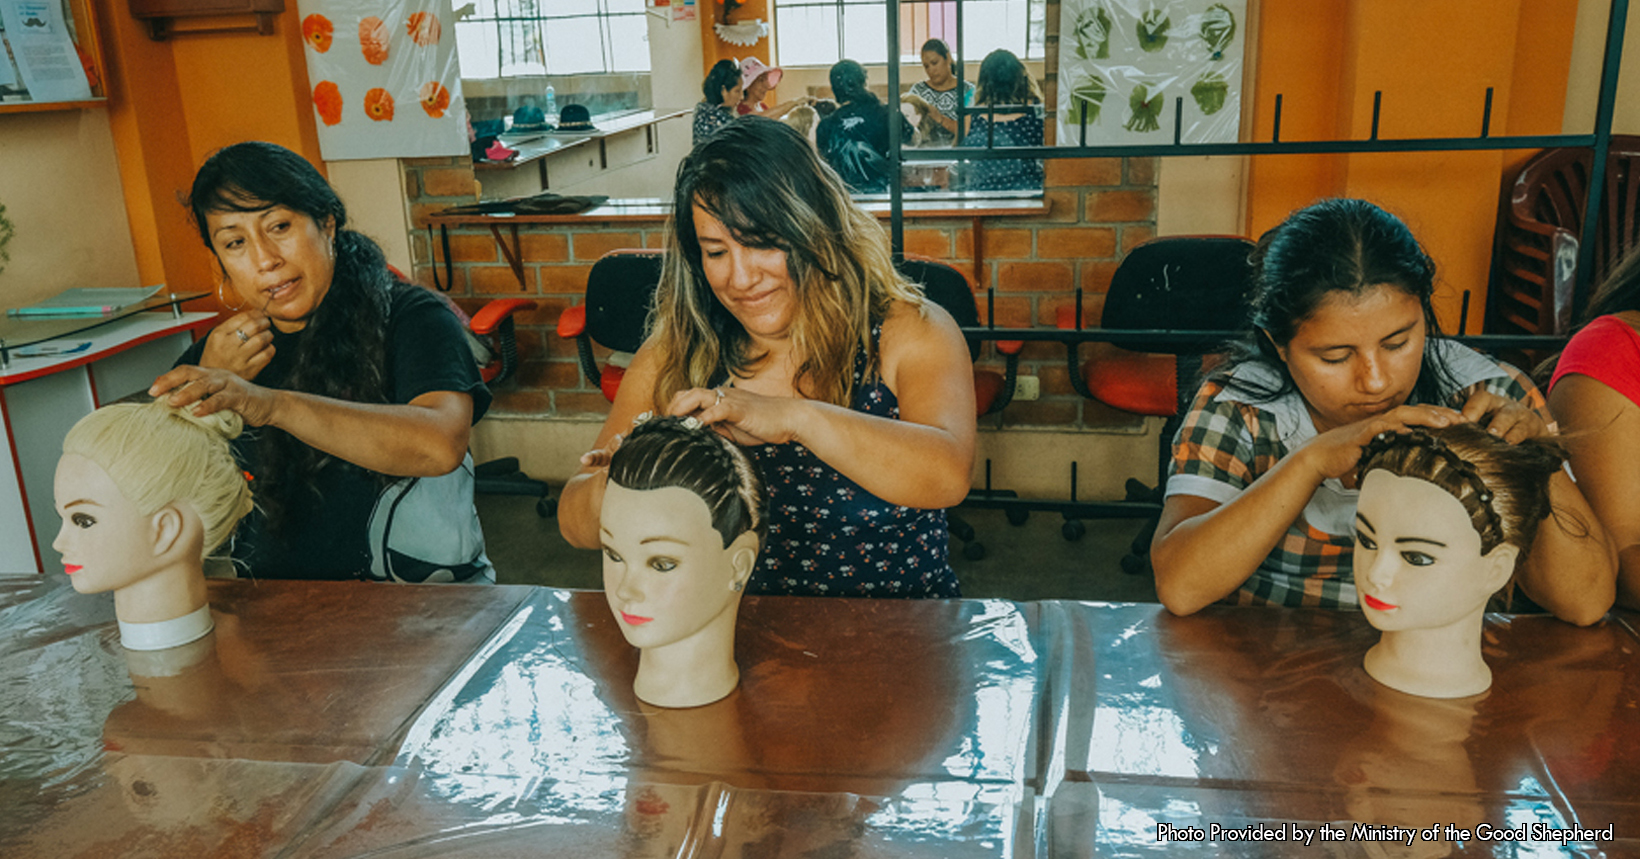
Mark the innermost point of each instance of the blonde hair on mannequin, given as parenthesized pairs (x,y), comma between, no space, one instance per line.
(158,455)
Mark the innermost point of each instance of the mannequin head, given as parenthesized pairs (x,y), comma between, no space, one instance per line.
(682,523)
(1443,518)
(146,492)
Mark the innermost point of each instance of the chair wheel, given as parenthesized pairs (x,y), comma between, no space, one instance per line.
(974,551)
(962,531)
(1017,518)
(546,507)
(1073,530)
(1134,565)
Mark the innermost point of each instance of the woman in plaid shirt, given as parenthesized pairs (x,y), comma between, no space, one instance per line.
(1345,345)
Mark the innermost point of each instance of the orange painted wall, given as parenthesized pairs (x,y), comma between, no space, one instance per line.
(1433,63)
(713,48)
(174,102)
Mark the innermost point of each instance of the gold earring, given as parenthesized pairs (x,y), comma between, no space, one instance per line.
(222,296)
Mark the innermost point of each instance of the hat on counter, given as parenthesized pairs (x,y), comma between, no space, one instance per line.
(752,68)
(575,117)
(529,118)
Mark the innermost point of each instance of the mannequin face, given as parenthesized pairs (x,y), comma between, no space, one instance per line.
(667,574)
(1418,561)
(106,543)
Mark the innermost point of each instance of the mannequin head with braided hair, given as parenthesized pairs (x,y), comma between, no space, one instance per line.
(145,492)
(1444,516)
(683,519)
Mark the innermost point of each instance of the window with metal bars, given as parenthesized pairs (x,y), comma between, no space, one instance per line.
(821,32)
(522,38)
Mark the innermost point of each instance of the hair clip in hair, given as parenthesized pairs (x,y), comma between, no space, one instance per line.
(642,418)
(1484,496)
(691,423)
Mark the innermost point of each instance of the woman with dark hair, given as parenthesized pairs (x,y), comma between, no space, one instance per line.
(939,95)
(1005,84)
(1595,391)
(854,138)
(723,90)
(781,321)
(1344,345)
(355,378)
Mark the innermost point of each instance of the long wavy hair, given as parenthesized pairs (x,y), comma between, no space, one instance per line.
(342,353)
(1003,79)
(837,256)
(1337,245)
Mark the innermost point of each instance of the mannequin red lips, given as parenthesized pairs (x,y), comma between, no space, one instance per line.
(1377,604)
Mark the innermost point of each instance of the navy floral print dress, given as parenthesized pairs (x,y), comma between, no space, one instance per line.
(829,537)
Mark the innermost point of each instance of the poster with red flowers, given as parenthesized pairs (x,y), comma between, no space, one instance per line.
(386,83)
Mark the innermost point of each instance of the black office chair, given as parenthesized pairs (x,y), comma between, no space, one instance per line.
(993,391)
(1181,283)
(620,291)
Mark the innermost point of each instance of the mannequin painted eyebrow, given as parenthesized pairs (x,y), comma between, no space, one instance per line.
(81,501)
(1398,540)
(659,538)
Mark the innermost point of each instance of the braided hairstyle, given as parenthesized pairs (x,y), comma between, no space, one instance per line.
(1503,487)
(682,452)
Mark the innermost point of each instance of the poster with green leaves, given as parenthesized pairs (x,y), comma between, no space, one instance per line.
(1125,66)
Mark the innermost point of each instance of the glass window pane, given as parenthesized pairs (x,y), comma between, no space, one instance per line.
(476,48)
(481,9)
(988,25)
(565,8)
(629,43)
(574,45)
(625,6)
(806,35)
(865,33)
(521,49)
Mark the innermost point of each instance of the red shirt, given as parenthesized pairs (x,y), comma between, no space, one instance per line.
(1607,350)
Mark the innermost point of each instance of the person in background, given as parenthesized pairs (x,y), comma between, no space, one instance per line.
(782,322)
(1004,83)
(757,79)
(1595,392)
(854,138)
(353,377)
(938,95)
(723,91)
(1344,346)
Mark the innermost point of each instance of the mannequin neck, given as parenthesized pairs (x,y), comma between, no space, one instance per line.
(175,589)
(1441,662)
(165,634)
(698,670)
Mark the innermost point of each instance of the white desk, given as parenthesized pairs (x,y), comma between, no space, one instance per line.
(41,398)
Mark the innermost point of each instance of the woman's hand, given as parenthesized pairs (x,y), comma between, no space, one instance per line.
(1505,418)
(242,345)
(211,390)
(743,416)
(600,457)
(1336,452)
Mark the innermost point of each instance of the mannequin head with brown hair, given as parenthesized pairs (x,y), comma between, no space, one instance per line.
(145,492)
(682,522)
(1443,518)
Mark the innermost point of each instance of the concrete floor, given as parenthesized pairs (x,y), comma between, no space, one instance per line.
(1029,562)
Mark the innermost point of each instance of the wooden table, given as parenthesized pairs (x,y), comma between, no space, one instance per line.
(350,719)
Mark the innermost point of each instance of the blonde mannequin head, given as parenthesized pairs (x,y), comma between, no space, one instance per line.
(682,522)
(158,455)
(1444,517)
(146,492)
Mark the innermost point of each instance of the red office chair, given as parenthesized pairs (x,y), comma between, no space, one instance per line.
(993,391)
(1182,283)
(491,338)
(620,291)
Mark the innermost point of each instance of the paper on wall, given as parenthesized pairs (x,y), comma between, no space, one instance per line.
(386,80)
(44,50)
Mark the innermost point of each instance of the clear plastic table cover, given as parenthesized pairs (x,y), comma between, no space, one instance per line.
(344,719)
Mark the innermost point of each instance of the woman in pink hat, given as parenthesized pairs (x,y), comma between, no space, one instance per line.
(757,79)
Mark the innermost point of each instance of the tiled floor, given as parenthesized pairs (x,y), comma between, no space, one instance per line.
(1029,562)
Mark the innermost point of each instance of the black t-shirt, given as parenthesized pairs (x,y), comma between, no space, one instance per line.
(326,536)
(854,141)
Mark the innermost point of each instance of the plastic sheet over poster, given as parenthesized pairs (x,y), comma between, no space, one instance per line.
(386,80)
(1125,65)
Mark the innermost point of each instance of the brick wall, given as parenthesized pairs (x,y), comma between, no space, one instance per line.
(1098,209)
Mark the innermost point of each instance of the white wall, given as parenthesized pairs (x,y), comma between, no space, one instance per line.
(373,191)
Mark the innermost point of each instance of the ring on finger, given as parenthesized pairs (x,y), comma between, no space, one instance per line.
(242,337)
(719,392)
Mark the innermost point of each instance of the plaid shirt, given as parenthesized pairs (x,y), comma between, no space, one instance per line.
(1225,444)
